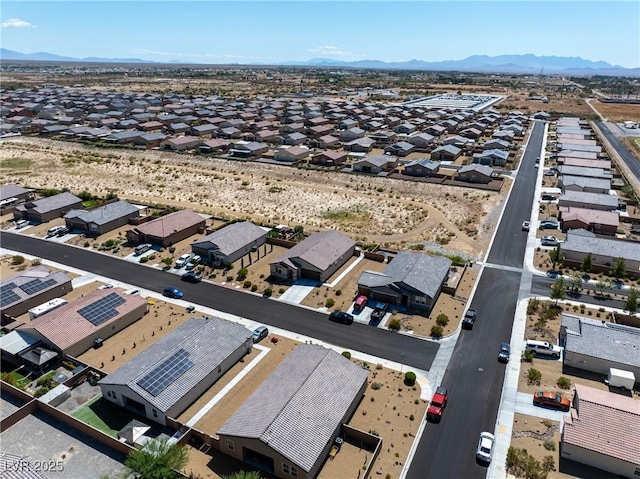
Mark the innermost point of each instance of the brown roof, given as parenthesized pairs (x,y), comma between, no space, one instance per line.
(604,164)
(64,326)
(166,225)
(605,423)
(588,216)
(320,249)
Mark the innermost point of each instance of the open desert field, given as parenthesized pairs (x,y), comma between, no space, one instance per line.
(367,208)
(618,112)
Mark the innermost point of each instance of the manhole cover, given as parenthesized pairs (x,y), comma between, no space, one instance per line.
(481,369)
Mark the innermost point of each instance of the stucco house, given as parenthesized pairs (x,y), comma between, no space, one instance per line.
(102,219)
(47,209)
(423,167)
(167,230)
(376,164)
(230,243)
(475,173)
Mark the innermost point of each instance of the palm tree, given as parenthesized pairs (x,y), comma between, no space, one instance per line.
(157,460)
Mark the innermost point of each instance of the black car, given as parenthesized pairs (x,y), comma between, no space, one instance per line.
(379,310)
(341,317)
(469,319)
(191,277)
(63,231)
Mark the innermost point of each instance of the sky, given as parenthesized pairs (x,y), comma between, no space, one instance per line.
(220,32)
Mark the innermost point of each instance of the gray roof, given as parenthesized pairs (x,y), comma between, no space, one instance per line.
(584,171)
(454,150)
(53,203)
(103,214)
(320,249)
(14,284)
(482,169)
(598,339)
(424,162)
(589,198)
(296,410)
(601,247)
(420,272)
(231,238)
(11,190)
(378,160)
(493,153)
(208,342)
(586,182)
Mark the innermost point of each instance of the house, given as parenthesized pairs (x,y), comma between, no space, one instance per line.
(74,327)
(597,221)
(456,140)
(360,145)
(330,158)
(167,230)
(604,165)
(207,130)
(251,150)
(326,141)
(603,431)
(102,219)
(421,141)
(149,140)
(496,144)
(291,154)
(316,257)
(435,130)
(585,155)
(181,143)
(166,378)
(591,201)
(604,252)
(12,194)
(475,173)
(30,288)
(376,164)
(351,134)
(423,167)
(23,350)
(585,184)
(596,346)
(446,153)
(472,133)
(295,139)
(383,138)
(313,383)
(405,129)
(402,148)
(411,279)
(230,243)
(47,209)
(494,157)
(215,145)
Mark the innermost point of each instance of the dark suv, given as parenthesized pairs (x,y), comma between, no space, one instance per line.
(469,319)
(379,310)
(341,317)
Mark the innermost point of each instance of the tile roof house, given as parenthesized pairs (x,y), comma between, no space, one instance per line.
(596,346)
(167,230)
(30,288)
(493,157)
(291,420)
(402,148)
(411,279)
(47,209)
(446,153)
(291,154)
(330,158)
(230,243)
(584,184)
(475,173)
(181,143)
(73,327)
(376,164)
(423,167)
(360,145)
(15,192)
(102,219)
(591,172)
(603,431)
(166,378)
(316,257)
(592,201)
(597,221)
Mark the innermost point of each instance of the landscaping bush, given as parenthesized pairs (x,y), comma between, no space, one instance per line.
(409,378)
(281,290)
(533,377)
(394,324)
(442,320)
(242,274)
(268,292)
(17,260)
(563,382)
(254,287)
(436,331)
(527,356)
(144,259)
(376,386)
(346,354)
(338,292)
(550,445)
(247,284)
(329,303)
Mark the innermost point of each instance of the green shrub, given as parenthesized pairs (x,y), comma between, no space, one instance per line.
(144,259)
(527,356)
(281,290)
(394,324)
(346,354)
(442,320)
(17,260)
(409,378)
(550,445)
(242,274)
(533,377)
(338,292)
(247,284)
(254,287)
(563,382)
(268,292)
(376,386)
(329,303)
(436,331)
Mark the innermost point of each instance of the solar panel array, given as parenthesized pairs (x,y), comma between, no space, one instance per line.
(102,310)
(166,372)
(7,296)
(36,285)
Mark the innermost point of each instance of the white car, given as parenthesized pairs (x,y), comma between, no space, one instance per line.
(183,260)
(549,241)
(525,226)
(193,262)
(484,452)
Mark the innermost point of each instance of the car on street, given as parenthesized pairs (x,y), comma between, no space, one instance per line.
(341,317)
(469,319)
(379,310)
(504,353)
(484,451)
(191,277)
(260,333)
(437,404)
(525,226)
(193,262)
(549,241)
(183,260)
(549,224)
(171,292)
(551,400)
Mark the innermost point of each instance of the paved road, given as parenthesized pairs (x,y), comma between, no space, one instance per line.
(356,337)
(474,377)
(541,286)
(631,161)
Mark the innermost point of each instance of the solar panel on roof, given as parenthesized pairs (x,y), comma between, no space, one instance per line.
(102,310)
(36,285)
(7,296)
(166,372)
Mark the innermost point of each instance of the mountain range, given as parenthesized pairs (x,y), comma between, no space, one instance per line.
(521,64)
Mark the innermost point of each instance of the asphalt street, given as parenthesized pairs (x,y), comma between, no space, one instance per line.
(541,286)
(388,345)
(630,160)
(474,376)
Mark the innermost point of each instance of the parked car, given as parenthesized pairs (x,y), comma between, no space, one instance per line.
(193,262)
(550,173)
(525,226)
(360,303)
(379,310)
(183,260)
(547,197)
(484,451)
(63,231)
(142,248)
(172,292)
(341,317)
(21,224)
(469,319)
(504,353)
(551,400)
(549,241)
(260,333)
(191,277)
(549,224)
(54,231)
(437,405)
(543,348)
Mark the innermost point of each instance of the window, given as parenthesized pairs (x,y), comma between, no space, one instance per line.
(294,471)
(285,468)
(219,369)
(113,395)
(230,445)
(155,413)
(420,300)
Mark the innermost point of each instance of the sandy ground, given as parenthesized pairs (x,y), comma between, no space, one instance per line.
(364,207)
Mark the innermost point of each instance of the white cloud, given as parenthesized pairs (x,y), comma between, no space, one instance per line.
(331,51)
(16,23)
(204,57)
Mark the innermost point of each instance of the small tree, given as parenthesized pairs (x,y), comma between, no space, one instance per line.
(575,282)
(587,263)
(556,256)
(242,274)
(436,331)
(394,324)
(533,377)
(442,320)
(619,268)
(631,303)
(329,303)
(157,460)
(563,382)
(409,378)
(558,290)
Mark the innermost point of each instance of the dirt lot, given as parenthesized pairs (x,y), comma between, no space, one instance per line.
(618,112)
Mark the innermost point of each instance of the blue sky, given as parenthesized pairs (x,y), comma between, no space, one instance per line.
(263,31)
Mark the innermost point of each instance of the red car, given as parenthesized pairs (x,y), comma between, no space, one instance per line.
(437,405)
(551,400)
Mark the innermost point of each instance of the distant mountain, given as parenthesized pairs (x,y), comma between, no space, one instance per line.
(50,57)
(521,64)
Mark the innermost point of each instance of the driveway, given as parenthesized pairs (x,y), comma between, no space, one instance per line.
(524,405)
(298,291)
